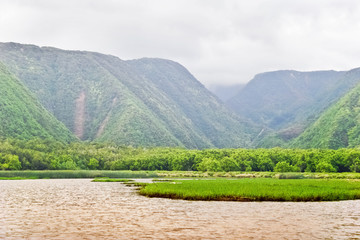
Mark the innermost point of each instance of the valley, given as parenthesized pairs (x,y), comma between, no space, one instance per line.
(157,102)
(179,120)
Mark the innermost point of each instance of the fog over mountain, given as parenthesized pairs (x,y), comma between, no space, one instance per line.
(225,92)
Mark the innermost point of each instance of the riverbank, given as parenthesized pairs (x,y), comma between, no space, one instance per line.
(55,174)
(106,179)
(231,186)
(60,174)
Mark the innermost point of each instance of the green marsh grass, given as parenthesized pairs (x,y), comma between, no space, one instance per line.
(12,178)
(256,189)
(138,185)
(105,179)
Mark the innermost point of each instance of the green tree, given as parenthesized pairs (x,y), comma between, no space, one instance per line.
(355,167)
(93,164)
(285,167)
(11,162)
(209,164)
(323,166)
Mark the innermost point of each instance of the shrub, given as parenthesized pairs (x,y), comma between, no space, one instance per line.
(285,167)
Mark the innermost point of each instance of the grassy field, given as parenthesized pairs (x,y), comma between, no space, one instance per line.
(256,189)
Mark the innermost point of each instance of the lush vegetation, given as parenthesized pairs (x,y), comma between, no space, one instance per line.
(287,102)
(280,99)
(22,116)
(146,102)
(157,102)
(338,126)
(259,189)
(39,154)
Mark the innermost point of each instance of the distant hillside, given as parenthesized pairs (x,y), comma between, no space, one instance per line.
(147,102)
(225,92)
(337,127)
(286,102)
(275,99)
(188,97)
(22,116)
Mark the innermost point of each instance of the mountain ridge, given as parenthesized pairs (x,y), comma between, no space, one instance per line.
(158,102)
(286,102)
(103,98)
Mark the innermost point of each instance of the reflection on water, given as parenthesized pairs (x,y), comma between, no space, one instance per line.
(80,209)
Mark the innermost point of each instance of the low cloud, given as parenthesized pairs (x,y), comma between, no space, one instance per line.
(218,41)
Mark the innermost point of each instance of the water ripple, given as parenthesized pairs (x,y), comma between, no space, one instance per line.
(81,209)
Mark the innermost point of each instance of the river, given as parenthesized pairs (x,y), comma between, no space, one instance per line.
(81,209)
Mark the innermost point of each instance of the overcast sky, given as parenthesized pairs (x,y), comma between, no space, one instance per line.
(219,41)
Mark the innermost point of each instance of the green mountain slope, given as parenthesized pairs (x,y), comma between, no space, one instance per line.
(190,100)
(285,103)
(22,116)
(148,102)
(277,99)
(337,127)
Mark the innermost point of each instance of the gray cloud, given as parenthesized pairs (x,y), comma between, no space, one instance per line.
(218,41)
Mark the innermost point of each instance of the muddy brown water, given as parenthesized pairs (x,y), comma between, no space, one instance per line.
(81,209)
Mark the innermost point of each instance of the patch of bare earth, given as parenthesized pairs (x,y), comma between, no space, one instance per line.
(106,120)
(80,115)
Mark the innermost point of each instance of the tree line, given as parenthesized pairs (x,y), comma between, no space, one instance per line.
(37,154)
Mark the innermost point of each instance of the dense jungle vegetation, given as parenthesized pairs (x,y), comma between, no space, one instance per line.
(39,154)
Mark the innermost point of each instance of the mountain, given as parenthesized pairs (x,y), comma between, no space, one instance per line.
(286,102)
(225,92)
(22,116)
(275,99)
(337,127)
(145,102)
